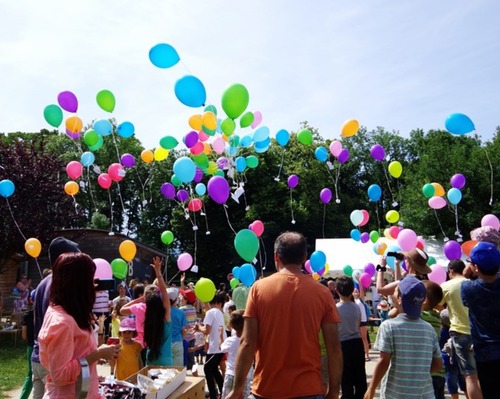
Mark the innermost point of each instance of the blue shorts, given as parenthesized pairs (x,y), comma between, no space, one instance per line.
(462,344)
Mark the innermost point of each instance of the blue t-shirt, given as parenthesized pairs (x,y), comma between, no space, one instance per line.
(165,358)
(179,321)
(483,301)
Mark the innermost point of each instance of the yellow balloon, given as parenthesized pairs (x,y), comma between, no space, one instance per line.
(395,169)
(127,250)
(212,168)
(387,235)
(392,216)
(33,247)
(327,267)
(349,128)
(195,122)
(225,138)
(316,276)
(71,188)
(438,189)
(74,124)
(147,156)
(209,120)
(160,154)
(207,149)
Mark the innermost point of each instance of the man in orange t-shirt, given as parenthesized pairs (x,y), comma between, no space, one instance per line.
(283,317)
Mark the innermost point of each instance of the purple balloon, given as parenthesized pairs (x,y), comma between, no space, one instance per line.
(127,160)
(457,181)
(68,101)
(191,139)
(377,152)
(452,250)
(365,237)
(182,195)
(222,163)
(343,156)
(293,180)
(168,190)
(71,135)
(370,269)
(218,189)
(198,175)
(325,195)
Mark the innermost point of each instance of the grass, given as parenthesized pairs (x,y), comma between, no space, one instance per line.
(13,364)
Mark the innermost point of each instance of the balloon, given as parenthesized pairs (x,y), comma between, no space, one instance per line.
(200,189)
(73,135)
(252,161)
(218,189)
(438,274)
(127,250)
(102,269)
(68,101)
(407,239)
(391,259)
(335,148)
(257,119)
(436,202)
(90,137)
(246,244)
(127,160)
(87,159)
(459,124)
(96,146)
(246,119)
(74,124)
(228,126)
(365,237)
(163,55)
(190,91)
(343,156)
(431,261)
(103,127)
(317,260)
(394,231)
(374,236)
(374,192)
(395,169)
(421,243)
(307,266)
(365,280)
(370,269)
(257,227)
(428,190)
(293,180)
(169,142)
(321,154)
(204,289)
(248,274)
(347,270)
(125,129)
(305,137)
(458,181)
(438,189)
(71,188)
(74,169)
(106,100)
(184,261)
(185,169)
(7,188)
(116,172)
(160,154)
(235,100)
(392,216)
(356,217)
(349,128)
(355,234)
(209,120)
(168,190)
(452,250)
(490,220)
(195,205)
(234,283)
(198,176)
(380,248)
(454,195)
(236,272)
(182,195)
(377,152)
(467,246)
(104,181)
(366,219)
(240,164)
(191,139)
(325,195)
(53,115)
(147,156)
(282,137)
(119,268)
(33,247)
(167,237)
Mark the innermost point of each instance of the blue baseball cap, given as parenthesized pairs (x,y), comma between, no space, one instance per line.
(413,294)
(485,256)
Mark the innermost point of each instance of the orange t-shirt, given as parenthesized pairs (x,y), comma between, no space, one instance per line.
(290,309)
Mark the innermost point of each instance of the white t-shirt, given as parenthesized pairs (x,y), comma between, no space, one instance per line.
(225,308)
(362,308)
(230,346)
(215,319)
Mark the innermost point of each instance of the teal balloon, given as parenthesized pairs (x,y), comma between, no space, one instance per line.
(125,129)
(176,181)
(459,124)
(190,91)
(184,169)
(53,115)
(321,154)
(454,196)
(97,145)
(246,244)
(87,158)
(7,188)
(169,142)
(163,55)
(211,108)
(283,137)
(374,192)
(252,161)
(103,127)
(235,100)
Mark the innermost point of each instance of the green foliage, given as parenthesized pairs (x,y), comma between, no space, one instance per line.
(13,363)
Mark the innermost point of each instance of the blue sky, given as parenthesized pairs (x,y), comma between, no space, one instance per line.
(397,64)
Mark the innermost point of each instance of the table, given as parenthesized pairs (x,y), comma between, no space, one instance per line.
(14,332)
(191,388)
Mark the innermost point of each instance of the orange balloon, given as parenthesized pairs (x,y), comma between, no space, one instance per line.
(209,120)
(33,247)
(225,138)
(349,128)
(438,189)
(467,246)
(147,156)
(127,250)
(71,188)
(195,122)
(207,149)
(74,124)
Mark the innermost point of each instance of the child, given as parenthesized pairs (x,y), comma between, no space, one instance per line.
(408,348)
(383,310)
(116,317)
(230,346)
(199,342)
(129,360)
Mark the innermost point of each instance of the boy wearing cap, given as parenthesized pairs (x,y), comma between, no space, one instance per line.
(129,360)
(409,349)
(179,323)
(188,299)
(482,297)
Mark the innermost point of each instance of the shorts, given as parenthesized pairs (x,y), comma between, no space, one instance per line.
(462,344)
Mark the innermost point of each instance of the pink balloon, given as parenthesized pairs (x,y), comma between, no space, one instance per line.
(394,231)
(490,220)
(407,239)
(436,202)
(218,145)
(184,261)
(197,148)
(438,274)
(257,227)
(116,172)
(366,217)
(365,280)
(68,101)
(195,205)
(257,119)
(202,136)
(74,169)
(335,148)
(104,181)
(307,266)
(102,269)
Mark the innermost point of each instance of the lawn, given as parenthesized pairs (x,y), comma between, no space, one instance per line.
(13,364)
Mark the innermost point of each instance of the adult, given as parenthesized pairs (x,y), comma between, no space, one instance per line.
(460,332)
(482,297)
(68,349)
(58,246)
(122,294)
(283,317)
(20,293)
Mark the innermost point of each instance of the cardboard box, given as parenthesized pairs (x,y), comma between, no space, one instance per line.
(167,389)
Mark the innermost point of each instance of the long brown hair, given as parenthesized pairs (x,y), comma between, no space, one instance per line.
(73,287)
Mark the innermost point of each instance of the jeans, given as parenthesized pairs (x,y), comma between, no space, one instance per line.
(462,343)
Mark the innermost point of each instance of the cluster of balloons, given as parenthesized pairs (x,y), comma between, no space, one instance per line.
(361,277)
(316,264)
(245,274)
(436,193)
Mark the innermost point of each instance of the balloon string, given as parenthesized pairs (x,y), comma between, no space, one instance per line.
(38,266)
(456,222)
(90,188)
(378,216)
(277,178)
(120,196)
(333,181)
(142,184)
(175,275)
(14,219)
(195,240)
(116,147)
(206,218)
(388,183)
(75,204)
(399,200)
(262,264)
(110,212)
(227,217)
(337,182)
(291,206)
(439,223)
(324,217)
(491,178)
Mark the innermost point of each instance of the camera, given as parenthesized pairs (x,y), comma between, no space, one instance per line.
(397,255)
(105,284)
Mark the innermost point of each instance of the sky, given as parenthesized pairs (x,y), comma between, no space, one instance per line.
(401,64)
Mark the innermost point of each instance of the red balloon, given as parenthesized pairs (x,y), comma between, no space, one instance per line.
(195,205)
(366,217)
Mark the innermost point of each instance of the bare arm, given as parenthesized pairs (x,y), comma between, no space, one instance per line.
(162,285)
(334,356)
(125,309)
(436,365)
(380,370)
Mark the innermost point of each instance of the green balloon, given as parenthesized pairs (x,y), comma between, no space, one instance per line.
(431,261)
(348,270)
(204,289)
(211,108)
(305,137)
(167,237)
(252,161)
(119,268)
(219,173)
(234,283)
(53,115)
(247,119)
(208,131)
(96,146)
(169,142)
(246,244)
(234,141)
(106,100)
(91,138)
(428,190)
(201,160)
(374,236)
(227,126)
(235,100)
(176,181)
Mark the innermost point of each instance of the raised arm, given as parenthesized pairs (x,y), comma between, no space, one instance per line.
(162,285)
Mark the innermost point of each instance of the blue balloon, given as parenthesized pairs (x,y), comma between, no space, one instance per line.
(355,234)
(125,129)
(236,272)
(391,259)
(248,274)
(459,124)
(317,260)
(261,134)
(184,169)
(103,127)
(282,137)
(163,55)
(87,158)
(6,188)
(200,189)
(261,150)
(241,164)
(454,196)
(231,151)
(321,154)
(246,141)
(374,192)
(190,91)
(263,143)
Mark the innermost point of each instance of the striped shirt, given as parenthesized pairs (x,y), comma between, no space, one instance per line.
(101,304)
(412,344)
